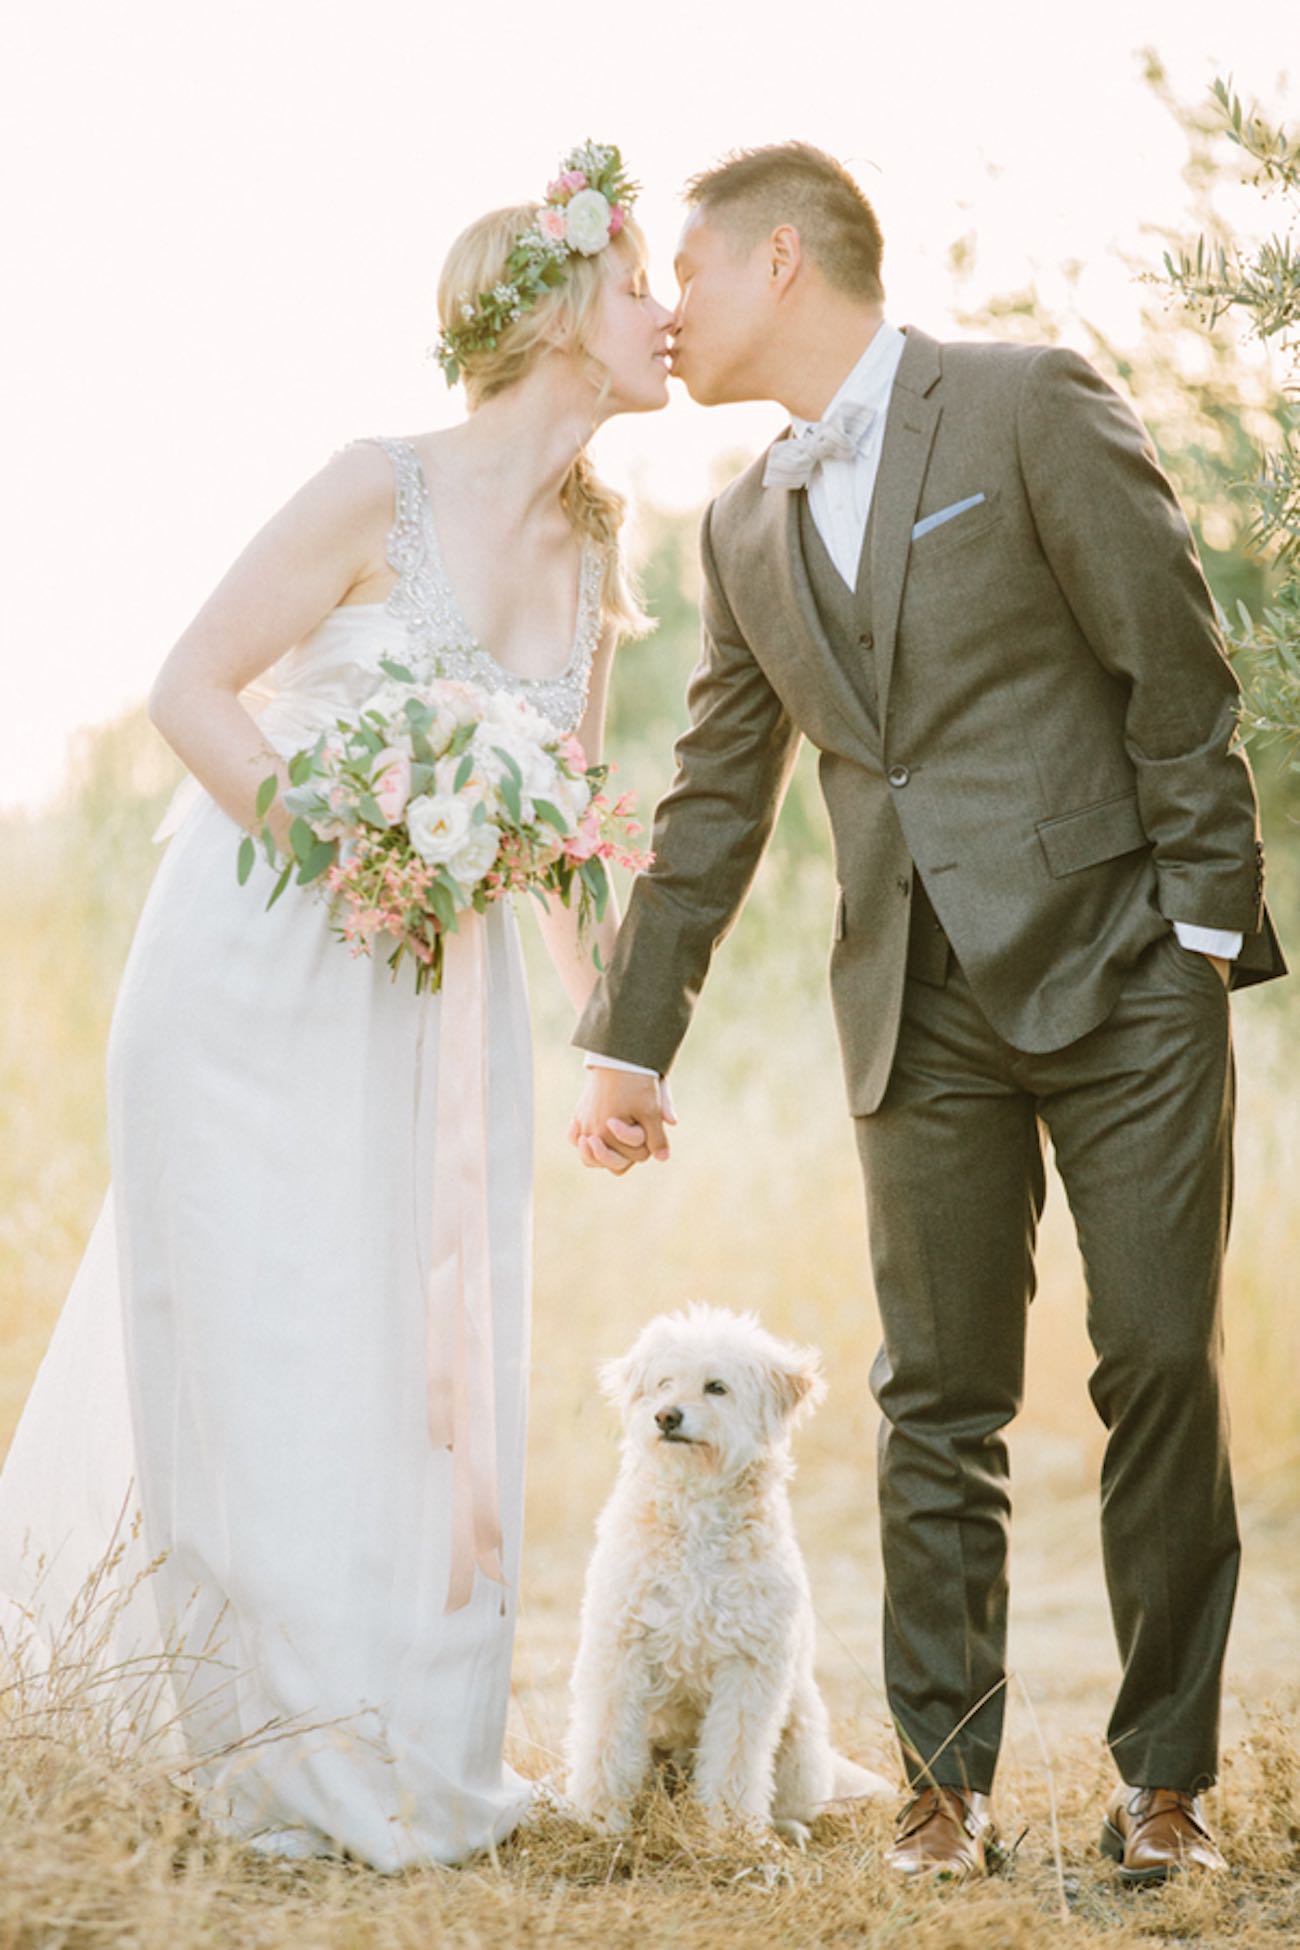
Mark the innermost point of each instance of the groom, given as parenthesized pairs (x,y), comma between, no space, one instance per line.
(961,574)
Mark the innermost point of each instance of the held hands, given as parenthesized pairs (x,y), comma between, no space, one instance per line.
(620,1120)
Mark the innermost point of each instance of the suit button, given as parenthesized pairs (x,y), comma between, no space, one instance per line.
(867,640)
(904,885)
(899,775)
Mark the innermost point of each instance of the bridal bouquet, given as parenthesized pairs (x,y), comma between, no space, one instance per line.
(438,799)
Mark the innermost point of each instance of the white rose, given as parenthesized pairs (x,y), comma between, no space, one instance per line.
(571,796)
(475,854)
(586,222)
(476,787)
(390,701)
(515,713)
(462,702)
(537,768)
(438,826)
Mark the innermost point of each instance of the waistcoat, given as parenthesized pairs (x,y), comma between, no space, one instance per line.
(845,616)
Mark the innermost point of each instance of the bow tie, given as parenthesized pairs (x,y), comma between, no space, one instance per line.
(843,433)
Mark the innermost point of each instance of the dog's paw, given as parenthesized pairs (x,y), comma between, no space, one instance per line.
(794,1832)
(604,1820)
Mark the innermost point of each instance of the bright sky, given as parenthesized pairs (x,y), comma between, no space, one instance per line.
(225,224)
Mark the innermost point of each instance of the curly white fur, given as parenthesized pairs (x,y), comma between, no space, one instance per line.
(697,1626)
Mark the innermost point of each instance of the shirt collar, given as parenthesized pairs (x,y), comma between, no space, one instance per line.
(870,381)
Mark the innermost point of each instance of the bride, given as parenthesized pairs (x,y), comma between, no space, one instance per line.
(234,1393)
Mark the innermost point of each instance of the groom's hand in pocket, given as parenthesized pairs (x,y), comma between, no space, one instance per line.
(620,1120)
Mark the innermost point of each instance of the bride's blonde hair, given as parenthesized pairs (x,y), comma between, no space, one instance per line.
(566,315)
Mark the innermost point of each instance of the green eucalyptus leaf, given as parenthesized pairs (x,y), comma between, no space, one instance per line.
(266,793)
(443,904)
(510,764)
(322,855)
(552,815)
(596,881)
(247,855)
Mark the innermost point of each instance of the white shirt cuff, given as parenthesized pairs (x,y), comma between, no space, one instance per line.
(1209,941)
(592,1061)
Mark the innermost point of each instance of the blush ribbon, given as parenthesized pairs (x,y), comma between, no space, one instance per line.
(460,1394)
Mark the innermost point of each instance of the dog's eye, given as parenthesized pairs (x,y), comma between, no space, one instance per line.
(715,1387)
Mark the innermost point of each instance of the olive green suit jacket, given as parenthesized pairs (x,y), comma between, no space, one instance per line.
(1055,749)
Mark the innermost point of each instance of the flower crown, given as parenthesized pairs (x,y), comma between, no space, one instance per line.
(586,206)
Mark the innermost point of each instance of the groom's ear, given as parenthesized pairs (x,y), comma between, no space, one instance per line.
(784,254)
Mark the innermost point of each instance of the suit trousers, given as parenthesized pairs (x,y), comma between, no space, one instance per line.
(1139,1113)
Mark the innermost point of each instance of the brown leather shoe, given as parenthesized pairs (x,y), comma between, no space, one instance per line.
(1153,1833)
(942,1832)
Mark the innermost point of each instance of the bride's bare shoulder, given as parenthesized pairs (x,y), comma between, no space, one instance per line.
(360,470)
(351,493)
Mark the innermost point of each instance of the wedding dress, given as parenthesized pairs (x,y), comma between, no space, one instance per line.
(241,1358)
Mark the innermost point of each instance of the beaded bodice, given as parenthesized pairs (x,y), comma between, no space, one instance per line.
(439,642)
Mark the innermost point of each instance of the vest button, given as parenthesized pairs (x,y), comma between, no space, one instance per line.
(867,640)
(899,775)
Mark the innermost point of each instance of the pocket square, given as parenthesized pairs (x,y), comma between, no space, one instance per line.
(928,522)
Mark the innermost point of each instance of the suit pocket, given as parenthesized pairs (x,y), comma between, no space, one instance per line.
(946,528)
(1085,838)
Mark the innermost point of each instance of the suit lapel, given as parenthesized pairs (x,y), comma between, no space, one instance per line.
(779,551)
(909,434)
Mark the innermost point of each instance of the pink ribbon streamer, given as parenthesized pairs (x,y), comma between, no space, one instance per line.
(461,1395)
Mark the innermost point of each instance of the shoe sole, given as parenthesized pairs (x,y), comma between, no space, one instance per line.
(1112,1847)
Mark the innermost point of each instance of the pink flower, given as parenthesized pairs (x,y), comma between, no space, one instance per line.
(572,754)
(586,841)
(615,219)
(392,783)
(551,223)
(573,180)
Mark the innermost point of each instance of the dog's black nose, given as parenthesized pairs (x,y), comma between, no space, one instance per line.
(669,1419)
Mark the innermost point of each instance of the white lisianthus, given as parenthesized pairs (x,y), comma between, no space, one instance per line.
(438,826)
(586,222)
(475,854)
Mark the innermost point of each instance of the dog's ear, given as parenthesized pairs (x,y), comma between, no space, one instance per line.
(623,1381)
(797,1383)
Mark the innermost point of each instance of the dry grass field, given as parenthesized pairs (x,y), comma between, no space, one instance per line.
(760,1207)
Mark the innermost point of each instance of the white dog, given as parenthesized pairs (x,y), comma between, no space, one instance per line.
(697,1626)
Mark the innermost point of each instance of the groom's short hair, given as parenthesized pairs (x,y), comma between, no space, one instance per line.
(751,191)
